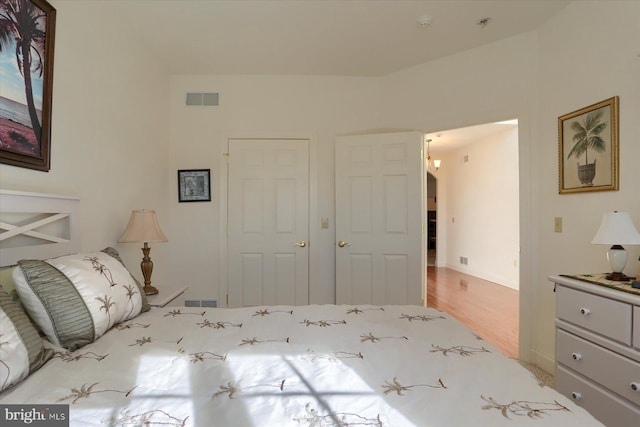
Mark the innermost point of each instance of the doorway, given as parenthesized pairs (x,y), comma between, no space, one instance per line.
(477,209)
(432,220)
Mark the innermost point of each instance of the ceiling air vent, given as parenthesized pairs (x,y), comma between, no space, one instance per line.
(199,98)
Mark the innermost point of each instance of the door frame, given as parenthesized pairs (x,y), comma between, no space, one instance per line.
(224,204)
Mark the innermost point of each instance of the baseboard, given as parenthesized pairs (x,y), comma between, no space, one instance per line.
(545,362)
(482,275)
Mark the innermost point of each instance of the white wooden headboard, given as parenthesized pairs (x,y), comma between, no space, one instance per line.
(37,226)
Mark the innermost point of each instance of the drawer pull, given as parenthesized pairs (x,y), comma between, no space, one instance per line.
(635,386)
(575,395)
(576,356)
(585,311)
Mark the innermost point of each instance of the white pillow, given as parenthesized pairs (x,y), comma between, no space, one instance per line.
(21,348)
(76,298)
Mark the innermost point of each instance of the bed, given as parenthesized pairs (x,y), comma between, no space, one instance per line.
(128,364)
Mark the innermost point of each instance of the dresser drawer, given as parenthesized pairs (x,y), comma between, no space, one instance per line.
(613,371)
(606,407)
(598,314)
(636,327)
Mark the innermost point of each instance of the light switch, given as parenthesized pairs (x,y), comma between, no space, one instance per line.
(324,223)
(557,224)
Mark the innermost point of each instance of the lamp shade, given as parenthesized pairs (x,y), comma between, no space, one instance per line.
(143,227)
(616,229)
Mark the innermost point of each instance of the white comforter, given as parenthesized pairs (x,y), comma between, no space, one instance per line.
(295,366)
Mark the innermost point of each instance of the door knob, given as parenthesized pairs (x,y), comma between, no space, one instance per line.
(301,244)
(342,244)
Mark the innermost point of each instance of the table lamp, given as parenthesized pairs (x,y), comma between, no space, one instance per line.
(143,227)
(617,229)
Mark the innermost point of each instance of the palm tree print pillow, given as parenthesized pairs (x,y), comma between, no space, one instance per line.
(76,298)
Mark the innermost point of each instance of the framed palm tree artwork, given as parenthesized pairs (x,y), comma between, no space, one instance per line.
(588,148)
(27,30)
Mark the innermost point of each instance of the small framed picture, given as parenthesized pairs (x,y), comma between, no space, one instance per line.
(588,148)
(194,185)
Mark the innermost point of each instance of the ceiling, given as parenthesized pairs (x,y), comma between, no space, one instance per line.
(320,37)
(447,140)
(326,37)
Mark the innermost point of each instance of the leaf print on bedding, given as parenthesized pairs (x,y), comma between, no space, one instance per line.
(421,317)
(459,349)
(254,340)
(102,270)
(218,325)
(84,392)
(374,339)
(232,389)
(356,310)
(323,323)
(521,408)
(206,355)
(131,292)
(148,418)
(390,387)
(106,306)
(266,312)
(67,356)
(178,312)
(146,340)
(343,419)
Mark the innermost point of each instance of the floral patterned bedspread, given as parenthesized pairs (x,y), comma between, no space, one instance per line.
(294,366)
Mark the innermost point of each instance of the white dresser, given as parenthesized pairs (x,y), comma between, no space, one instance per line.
(598,350)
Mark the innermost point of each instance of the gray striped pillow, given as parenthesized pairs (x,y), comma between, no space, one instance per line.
(76,298)
(69,322)
(22,351)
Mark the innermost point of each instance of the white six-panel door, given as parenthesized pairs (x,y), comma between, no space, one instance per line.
(379,218)
(268,222)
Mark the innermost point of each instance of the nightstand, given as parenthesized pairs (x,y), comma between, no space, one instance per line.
(598,349)
(165,298)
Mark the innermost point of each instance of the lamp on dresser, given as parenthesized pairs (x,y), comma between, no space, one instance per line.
(144,228)
(617,229)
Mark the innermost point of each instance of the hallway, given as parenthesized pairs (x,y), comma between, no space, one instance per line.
(489,309)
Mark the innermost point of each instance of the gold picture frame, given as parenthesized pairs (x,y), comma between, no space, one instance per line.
(588,148)
(27,79)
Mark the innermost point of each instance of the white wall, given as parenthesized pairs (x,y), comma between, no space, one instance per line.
(109,128)
(570,80)
(482,208)
(317,107)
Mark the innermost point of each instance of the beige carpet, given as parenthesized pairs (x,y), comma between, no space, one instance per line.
(544,378)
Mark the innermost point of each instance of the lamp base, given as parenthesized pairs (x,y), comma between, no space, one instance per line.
(618,277)
(149,290)
(147,269)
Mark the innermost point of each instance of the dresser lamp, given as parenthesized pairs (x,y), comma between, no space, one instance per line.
(617,229)
(143,227)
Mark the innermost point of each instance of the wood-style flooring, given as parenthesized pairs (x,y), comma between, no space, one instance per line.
(488,309)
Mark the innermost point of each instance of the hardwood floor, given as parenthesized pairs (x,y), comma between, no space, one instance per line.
(489,309)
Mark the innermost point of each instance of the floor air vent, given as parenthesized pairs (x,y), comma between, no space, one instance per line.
(201,303)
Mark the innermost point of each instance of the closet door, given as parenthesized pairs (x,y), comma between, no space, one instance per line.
(268,222)
(379,219)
